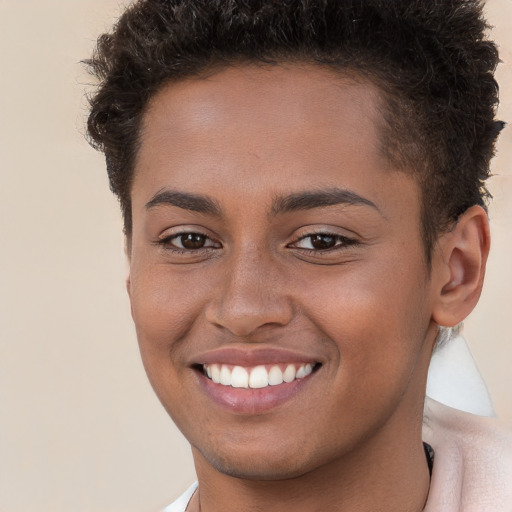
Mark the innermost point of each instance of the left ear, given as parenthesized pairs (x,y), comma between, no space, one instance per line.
(459,261)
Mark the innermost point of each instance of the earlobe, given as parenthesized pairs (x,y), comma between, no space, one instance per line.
(459,267)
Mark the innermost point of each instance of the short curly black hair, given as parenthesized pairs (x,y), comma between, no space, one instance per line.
(431,60)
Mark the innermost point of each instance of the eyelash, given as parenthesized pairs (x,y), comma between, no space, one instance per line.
(166,242)
(341,243)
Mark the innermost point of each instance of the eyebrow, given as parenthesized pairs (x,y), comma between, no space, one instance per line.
(306,200)
(309,200)
(186,201)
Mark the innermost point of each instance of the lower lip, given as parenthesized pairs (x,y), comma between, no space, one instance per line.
(252,401)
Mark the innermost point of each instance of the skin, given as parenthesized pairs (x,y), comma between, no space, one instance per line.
(248,139)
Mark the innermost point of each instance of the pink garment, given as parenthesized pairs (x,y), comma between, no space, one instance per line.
(472,464)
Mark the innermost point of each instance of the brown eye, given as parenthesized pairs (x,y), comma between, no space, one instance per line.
(188,241)
(321,241)
(192,240)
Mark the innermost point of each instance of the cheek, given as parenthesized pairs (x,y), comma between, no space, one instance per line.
(378,320)
(165,310)
(165,305)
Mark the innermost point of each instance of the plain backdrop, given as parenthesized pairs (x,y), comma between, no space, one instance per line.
(80,429)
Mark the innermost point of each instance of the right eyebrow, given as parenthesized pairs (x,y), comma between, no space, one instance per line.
(309,200)
(192,202)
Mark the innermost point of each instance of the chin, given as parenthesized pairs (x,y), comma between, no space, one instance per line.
(262,470)
(265,464)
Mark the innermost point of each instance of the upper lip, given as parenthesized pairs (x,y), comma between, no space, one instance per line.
(254,356)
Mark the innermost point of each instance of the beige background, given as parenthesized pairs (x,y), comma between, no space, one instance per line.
(80,429)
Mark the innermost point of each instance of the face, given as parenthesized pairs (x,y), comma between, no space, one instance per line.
(277,273)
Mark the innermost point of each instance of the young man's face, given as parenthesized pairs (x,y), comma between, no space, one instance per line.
(268,231)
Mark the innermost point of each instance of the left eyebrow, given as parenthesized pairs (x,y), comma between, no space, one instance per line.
(186,201)
(309,200)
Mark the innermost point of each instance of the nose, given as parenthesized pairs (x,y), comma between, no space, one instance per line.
(251,295)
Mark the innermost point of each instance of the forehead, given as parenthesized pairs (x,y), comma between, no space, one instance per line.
(306,101)
(268,129)
(291,89)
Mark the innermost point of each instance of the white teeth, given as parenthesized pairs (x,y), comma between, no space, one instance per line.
(257,377)
(225,376)
(300,372)
(304,371)
(289,373)
(275,376)
(215,373)
(239,377)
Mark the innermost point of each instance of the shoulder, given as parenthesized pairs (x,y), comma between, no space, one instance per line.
(473,461)
(180,505)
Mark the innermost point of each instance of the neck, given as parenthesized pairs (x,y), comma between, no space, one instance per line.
(389,473)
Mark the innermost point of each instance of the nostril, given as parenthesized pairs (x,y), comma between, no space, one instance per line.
(244,317)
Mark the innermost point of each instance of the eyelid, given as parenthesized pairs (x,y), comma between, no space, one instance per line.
(308,231)
(165,240)
(177,236)
(341,241)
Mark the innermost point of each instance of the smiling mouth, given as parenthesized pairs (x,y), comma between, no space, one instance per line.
(257,377)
